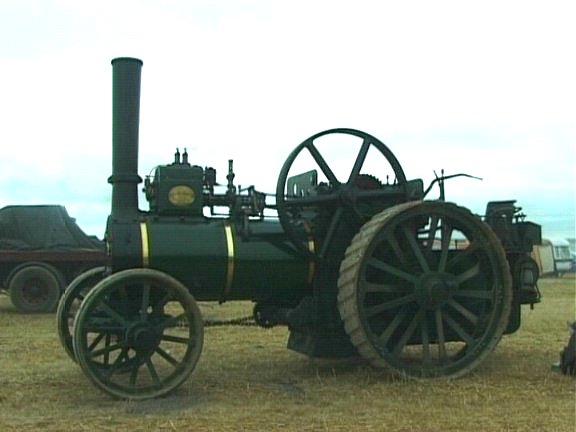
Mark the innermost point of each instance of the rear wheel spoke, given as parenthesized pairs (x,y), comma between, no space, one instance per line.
(463,255)
(416,249)
(432,232)
(373,287)
(466,337)
(407,333)
(469,315)
(391,304)
(426,358)
(394,271)
(440,335)
(384,337)
(485,295)
(393,242)
(468,274)
(445,245)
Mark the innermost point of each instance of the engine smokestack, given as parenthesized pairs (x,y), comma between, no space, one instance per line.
(125,122)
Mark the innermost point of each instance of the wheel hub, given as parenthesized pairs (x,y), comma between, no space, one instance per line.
(434,289)
(143,338)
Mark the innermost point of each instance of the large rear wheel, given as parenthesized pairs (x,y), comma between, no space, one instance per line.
(425,290)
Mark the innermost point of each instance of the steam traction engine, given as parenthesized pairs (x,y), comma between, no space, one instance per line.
(353,264)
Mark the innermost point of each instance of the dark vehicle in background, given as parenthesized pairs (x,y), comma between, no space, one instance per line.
(41,250)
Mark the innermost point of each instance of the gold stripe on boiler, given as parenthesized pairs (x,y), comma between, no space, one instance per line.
(145,245)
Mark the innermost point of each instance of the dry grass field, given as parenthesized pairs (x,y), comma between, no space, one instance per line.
(247,380)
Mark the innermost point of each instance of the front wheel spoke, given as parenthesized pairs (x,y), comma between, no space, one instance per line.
(123,356)
(112,313)
(416,249)
(106,350)
(177,339)
(152,370)
(458,329)
(167,356)
(159,305)
(107,341)
(466,313)
(407,333)
(96,341)
(374,310)
(134,375)
(381,265)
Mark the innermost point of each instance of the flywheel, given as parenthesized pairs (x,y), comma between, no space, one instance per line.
(334,187)
(425,290)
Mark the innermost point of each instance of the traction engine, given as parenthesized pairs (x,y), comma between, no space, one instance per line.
(348,255)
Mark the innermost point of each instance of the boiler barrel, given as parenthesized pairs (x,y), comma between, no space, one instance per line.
(216,262)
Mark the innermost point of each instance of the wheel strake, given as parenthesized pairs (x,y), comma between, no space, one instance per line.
(425,290)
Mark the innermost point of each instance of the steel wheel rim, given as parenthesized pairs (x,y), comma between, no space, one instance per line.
(138,334)
(70,303)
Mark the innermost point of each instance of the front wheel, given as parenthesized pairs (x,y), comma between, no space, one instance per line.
(425,290)
(138,334)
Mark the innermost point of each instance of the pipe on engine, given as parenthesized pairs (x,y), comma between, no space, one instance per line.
(125,124)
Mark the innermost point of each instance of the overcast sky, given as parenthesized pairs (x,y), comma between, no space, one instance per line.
(486,88)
